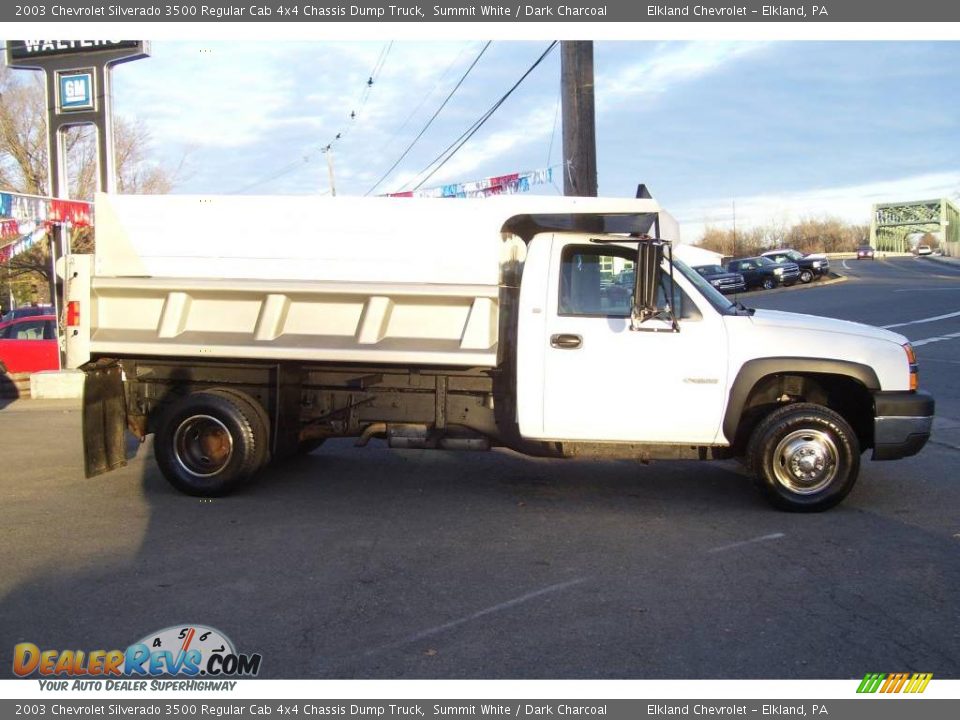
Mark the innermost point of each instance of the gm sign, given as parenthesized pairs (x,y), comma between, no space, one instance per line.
(75,91)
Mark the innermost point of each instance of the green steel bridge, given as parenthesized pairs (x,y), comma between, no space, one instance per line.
(896,227)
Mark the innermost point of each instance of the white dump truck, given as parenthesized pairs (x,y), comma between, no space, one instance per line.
(242,330)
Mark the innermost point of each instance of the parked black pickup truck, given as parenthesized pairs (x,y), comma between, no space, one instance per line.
(812,267)
(725,282)
(761,272)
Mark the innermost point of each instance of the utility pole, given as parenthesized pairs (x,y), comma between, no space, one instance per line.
(328,151)
(579,126)
(734,228)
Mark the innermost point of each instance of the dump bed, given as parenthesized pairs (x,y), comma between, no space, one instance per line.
(384,280)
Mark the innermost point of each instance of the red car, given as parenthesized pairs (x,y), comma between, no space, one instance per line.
(29,344)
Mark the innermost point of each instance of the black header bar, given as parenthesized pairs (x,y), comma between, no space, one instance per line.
(507,11)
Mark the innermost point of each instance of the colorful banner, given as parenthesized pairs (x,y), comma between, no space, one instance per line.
(78,214)
(9,229)
(498,185)
(25,219)
(23,244)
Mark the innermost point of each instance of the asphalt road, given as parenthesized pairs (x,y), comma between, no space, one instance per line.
(353,563)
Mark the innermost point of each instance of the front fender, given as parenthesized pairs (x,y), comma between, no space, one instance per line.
(752,371)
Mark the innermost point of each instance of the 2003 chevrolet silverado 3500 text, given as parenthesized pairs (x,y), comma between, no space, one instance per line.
(243,330)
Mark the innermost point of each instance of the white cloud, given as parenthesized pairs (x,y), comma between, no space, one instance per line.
(667,67)
(229,95)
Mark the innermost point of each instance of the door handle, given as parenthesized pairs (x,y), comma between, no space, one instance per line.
(565,341)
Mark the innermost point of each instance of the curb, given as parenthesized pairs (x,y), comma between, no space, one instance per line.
(945,259)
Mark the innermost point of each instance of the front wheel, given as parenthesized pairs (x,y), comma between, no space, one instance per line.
(806,276)
(769,283)
(805,456)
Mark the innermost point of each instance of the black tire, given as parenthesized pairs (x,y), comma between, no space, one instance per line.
(787,440)
(806,276)
(261,420)
(207,444)
(769,283)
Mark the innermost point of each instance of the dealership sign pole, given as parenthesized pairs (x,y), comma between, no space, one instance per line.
(77,74)
(78,93)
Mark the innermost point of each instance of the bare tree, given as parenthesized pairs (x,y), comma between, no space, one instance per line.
(23,167)
(809,235)
(23,135)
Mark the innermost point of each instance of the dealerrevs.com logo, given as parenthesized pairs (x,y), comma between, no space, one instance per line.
(189,651)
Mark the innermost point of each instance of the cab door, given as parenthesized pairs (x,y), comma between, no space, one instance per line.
(603,381)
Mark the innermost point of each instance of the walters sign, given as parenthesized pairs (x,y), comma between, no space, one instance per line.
(29,49)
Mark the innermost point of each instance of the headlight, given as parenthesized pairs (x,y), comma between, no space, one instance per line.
(816,263)
(778,271)
(715,283)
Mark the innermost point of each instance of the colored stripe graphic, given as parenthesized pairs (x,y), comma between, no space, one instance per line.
(894,682)
(919,682)
(871,681)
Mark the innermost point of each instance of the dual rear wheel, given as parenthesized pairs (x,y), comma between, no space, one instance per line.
(211,441)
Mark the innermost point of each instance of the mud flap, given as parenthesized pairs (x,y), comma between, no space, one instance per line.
(104,418)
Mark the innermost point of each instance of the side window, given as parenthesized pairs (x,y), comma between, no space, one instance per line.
(683,307)
(596,281)
(31,330)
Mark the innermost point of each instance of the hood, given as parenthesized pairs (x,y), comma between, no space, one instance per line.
(788,320)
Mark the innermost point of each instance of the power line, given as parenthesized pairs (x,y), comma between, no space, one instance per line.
(553,133)
(273,176)
(455,146)
(365,94)
(306,158)
(432,117)
(427,96)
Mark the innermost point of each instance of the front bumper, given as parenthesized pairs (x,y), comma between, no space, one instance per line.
(901,424)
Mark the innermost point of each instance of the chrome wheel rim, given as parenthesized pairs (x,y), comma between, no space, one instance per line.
(202,446)
(806,461)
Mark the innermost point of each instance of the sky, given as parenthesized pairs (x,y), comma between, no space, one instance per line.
(782,130)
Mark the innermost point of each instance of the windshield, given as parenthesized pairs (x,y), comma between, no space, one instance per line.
(789,254)
(765,261)
(713,296)
(709,269)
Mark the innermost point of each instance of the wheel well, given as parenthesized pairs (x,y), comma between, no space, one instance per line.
(841,393)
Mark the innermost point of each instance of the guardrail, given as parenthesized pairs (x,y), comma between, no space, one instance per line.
(878,253)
